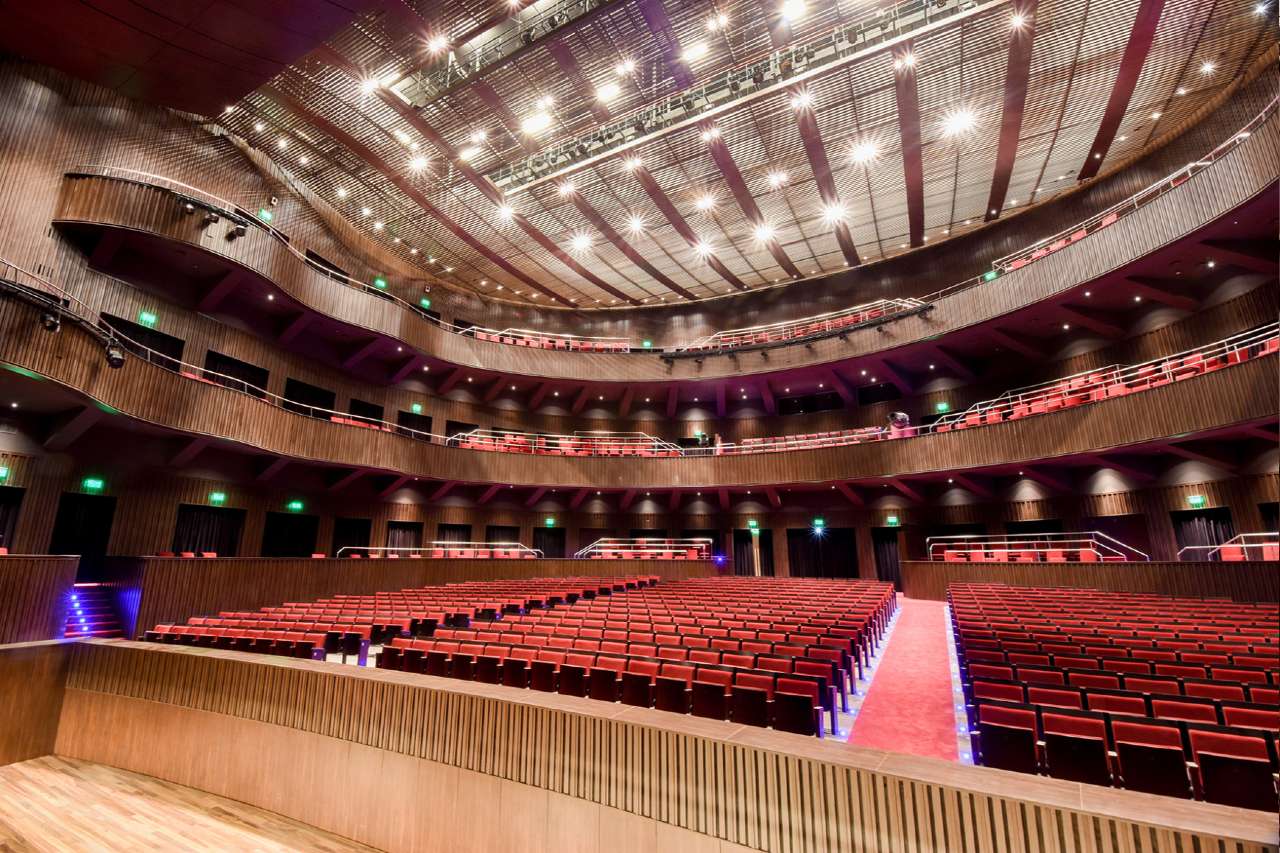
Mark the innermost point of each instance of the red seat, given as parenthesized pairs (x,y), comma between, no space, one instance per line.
(1075,748)
(1186,710)
(1116,704)
(1234,770)
(797,707)
(1150,757)
(1007,738)
(1267,719)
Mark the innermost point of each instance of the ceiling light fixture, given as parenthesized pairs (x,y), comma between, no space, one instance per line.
(702,248)
(904,61)
(636,225)
(417,164)
(341,192)
(565,189)
(864,151)
(505,212)
(478,136)
(958,121)
(536,123)
(1207,67)
(608,92)
(634,163)
(694,52)
(833,213)
(710,133)
(802,100)
(764,232)
(466,155)
(791,10)
(1017,21)
(437,43)
(581,241)
(777,179)
(369,84)
(624,67)
(717,22)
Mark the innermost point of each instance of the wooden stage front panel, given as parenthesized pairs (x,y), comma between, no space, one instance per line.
(1247,581)
(408,762)
(35,592)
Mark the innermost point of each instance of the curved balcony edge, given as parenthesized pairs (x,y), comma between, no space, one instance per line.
(1241,394)
(1251,168)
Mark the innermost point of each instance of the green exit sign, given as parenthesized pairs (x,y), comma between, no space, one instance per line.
(819,522)
(990,275)
(295,506)
(380,283)
(416,408)
(147,318)
(265,215)
(647,344)
(424,302)
(1195,501)
(217,498)
(4,473)
(549,521)
(93,484)
(891,520)
(942,407)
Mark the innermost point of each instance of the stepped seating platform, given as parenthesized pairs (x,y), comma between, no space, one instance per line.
(776,652)
(92,612)
(1147,692)
(349,624)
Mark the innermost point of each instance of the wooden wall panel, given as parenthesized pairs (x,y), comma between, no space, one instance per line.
(219,720)
(1247,581)
(32,681)
(174,589)
(35,592)
(1239,394)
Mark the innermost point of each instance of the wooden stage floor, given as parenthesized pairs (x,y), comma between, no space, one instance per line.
(59,804)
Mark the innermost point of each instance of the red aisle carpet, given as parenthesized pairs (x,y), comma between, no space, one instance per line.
(909,707)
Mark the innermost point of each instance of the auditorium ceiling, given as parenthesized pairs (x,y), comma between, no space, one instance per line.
(600,153)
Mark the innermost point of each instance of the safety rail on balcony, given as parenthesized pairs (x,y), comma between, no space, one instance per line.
(1245,546)
(444,551)
(1141,198)
(518,337)
(1088,546)
(805,327)
(580,443)
(647,548)
(550,340)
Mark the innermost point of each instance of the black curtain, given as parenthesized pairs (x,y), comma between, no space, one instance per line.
(1270,516)
(83,526)
(501,533)
(10,503)
(287,534)
(1129,529)
(1041,525)
(404,534)
(549,540)
(453,533)
(884,541)
(587,535)
(744,554)
(647,533)
(1202,527)
(351,533)
(831,553)
(208,528)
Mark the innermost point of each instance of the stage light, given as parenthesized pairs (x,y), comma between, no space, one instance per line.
(115,355)
(437,43)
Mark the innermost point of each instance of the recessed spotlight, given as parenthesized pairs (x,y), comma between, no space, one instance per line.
(1137,298)
(417,164)
(764,232)
(705,203)
(802,100)
(365,211)
(702,248)
(635,225)
(1156,114)
(369,84)
(791,10)
(466,155)
(259,126)
(694,52)
(634,163)
(717,22)
(608,92)
(624,67)
(581,241)
(710,134)
(413,251)
(1066,327)
(378,226)
(341,192)
(478,136)
(833,213)
(864,151)
(1181,90)
(958,121)
(304,160)
(1088,293)
(1211,264)
(904,61)
(505,212)
(1122,137)
(437,43)
(1207,67)
(565,189)
(536,123)
(777,179)
(271,297)
(1017,21)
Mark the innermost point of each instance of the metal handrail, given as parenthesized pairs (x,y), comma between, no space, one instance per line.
(603,440)
(1242,541)
(1096,540)
(881,309)
(647,545)
(425,550)
(1005,264)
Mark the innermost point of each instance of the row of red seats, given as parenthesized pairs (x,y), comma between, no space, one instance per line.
(808,440)
(1061,243)
(803,328)
(1058,680)
(449,553)
(1048,555)
(552,342)
(565,446)
(1268,551)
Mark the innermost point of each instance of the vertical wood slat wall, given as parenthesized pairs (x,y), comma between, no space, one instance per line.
(156,709)
(35,593)
(173,590)
(1246,581)
(32,680)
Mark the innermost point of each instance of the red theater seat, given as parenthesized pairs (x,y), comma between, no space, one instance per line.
(1234,770)
(1075,747)
(1007,738)
(1150,758)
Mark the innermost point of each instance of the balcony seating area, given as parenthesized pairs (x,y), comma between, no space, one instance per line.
(348,624)
(1264,545)
(647,548)
(1090,546)
(1170,696)
(446,551)
(763,652)
(543,340)
(805,327)
(578,444)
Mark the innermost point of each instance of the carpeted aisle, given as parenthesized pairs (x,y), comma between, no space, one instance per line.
(909,707)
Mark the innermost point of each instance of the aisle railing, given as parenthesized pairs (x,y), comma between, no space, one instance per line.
(445,551)
(1244,546)
(647,548)
(1083,546)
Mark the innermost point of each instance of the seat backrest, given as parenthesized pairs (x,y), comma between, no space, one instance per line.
(998,691)
(1181,709)
(1073,725)
(1056,697)
(797,687)
(643,667)
(1247,747)
(754,680)
(677,670)
(711,675)
(1017,718)
(1146,734)
(1113,704)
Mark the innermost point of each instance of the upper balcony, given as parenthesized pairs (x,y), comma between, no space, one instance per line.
(249,268)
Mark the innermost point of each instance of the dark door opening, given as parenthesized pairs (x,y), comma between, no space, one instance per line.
(10,505)
(753,552)
(404,534)
(549,540)
(208,529)
(884,541)
(288,534)
(822,553)
(83,526)
(351,533)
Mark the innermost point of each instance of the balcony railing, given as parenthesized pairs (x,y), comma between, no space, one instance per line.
(646,548)
(445,551)
(1089,546)
(1245,546)
(581,443)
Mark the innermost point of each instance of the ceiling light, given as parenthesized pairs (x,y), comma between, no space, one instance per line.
(402,137)
(1211,264)
(536,123)
(466,155)
(710,133)
(565,189)
(777,179)
(802,100)
(341,193)
(1017,21)
(1066,327)
(1260,9)
(1156,114)
(479,136)
(634,163)
(904,61)
(437,43)
(1181,90)
(304,160)
(228,109)
(505,212)
(764,232)
(417,164)
(608,92)
(705,203)
(717,22)
(1137,298)
(624,67)
(448,269)
(378,226)
(1122,137)
(1207,67)
(958,121)
(702,248)
(413,250)
(259,126)
(864,152)
(636,225)
(581,241)
(369,84)
(833,213)
(694,52)
(791,10)
(365,211)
